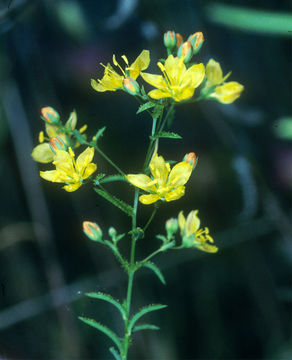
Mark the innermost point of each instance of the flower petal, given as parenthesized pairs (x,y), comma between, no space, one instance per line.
(154,80)
(196,73)
(149,199)
(180,174)
(175,69)
(54,176)
(141,63)
(181,222)
(42,153)
(63,162)
(159,169)
(90,169)
(213,73)
(84,159)
(175,194)
(192,223)
(142,181)
(159,94)
(72,187)
(228,92)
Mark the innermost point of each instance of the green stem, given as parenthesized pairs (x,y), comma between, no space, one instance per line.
(151,218)
(109,160)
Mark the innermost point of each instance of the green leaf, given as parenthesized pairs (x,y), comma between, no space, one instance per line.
(145,327)
(126,208)
(150,265)
(103,329)
(166,134)
(109,299)
(157,111)
(116,252)
(99,133)
(162,238)
(145,310)
(111,178)
(115,354)
(79,137)
(145,106)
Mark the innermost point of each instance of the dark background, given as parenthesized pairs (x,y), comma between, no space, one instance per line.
(235,304)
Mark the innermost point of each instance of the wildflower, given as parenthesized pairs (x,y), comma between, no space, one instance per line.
(57,143)
(169,39)
(69,171)
(131,86)
(92,230)
(224,92)
(178,82)
(196,40)
(165,183)
(192,235)
(112,81)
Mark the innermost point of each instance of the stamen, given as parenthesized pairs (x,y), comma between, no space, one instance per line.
(118,65)
(125,60)
(162,68)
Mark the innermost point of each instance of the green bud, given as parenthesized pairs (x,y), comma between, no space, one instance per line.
(92,230)
(171,227)
(169,39)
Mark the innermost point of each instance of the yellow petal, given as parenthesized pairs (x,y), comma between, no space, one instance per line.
(84,159)
(213,73)
(54,176)
(184,93)
(207,248)
(181,222)
(63,162)
(149,199)
(228,92)
(175,194)
(192,223)
(142,181)
(72,187)
(51,130)
(154,80)
(43,153)
(180,174)
(159,94)
(141,63)
(159,169)
(175,69)
(90,169)
(196,73)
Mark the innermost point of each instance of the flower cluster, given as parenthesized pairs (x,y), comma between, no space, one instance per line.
(179,77)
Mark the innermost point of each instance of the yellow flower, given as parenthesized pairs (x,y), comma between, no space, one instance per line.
(70,171)
(226,93)
(165,183)
(192,235)
(112,81)
(178,82)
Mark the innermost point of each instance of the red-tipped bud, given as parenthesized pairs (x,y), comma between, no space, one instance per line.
(56,143)
(169,39)
(191,158)
(131,86)
(50,115)
(196,40)
(92,230)
(179,40)
(185,51)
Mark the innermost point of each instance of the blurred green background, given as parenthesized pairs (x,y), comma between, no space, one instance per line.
(235,304)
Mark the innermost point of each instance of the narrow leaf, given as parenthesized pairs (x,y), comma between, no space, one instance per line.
(103,329)
(145,327)
(99,133)
(166,134)
(144,311)
(145,106)
(126,208)
(115,354)
(116,252)
(150,265)
(111,178)
(108,298)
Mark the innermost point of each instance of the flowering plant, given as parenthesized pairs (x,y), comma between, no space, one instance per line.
(157,182)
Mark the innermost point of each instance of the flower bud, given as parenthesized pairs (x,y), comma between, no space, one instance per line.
(171,227)
(179,40)
(196,40)
(185,51)
(112,232)
(92,230)
(169,39)
(131,86)
(56,143)
(72,121)
(191,158)
(50,115)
